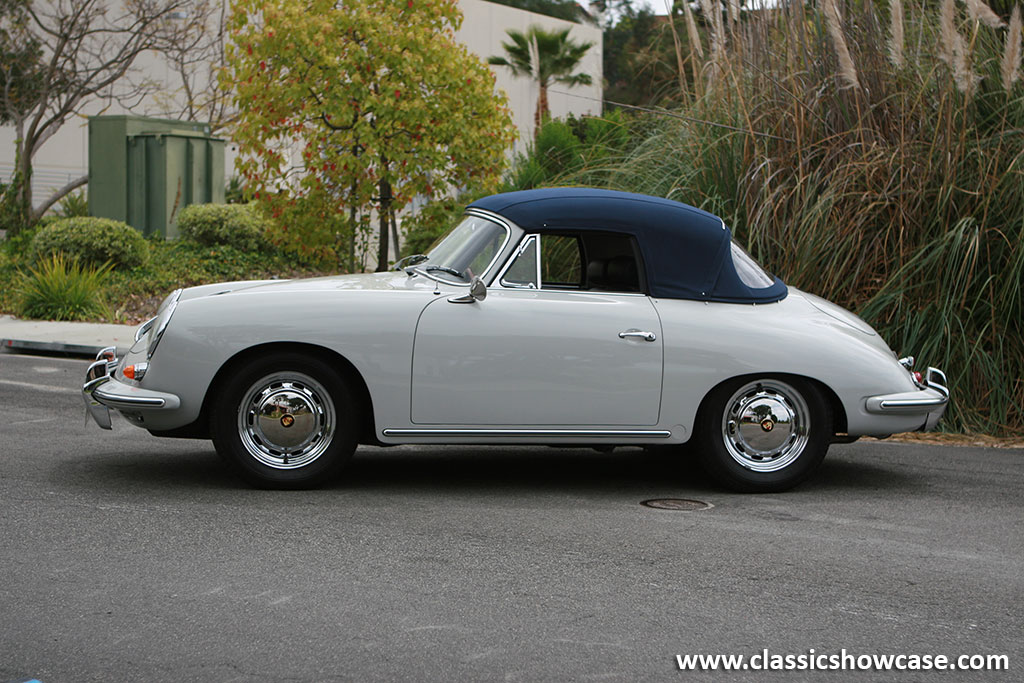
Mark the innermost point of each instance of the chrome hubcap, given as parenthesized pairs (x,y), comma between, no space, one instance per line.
(765,425)
(286,420)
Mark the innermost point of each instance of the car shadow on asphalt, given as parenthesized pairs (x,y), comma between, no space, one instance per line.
(445,469)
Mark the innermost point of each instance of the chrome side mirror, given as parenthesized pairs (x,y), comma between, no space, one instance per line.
(477,292)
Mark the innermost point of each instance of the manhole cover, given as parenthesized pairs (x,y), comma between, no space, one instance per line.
(678,504)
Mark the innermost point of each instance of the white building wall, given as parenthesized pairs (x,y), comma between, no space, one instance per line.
(484,29)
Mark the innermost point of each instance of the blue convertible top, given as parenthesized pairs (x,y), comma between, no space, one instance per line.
(685,250)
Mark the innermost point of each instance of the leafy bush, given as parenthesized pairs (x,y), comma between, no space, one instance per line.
(315,228)
(235,225)
(63,289)
(13,212)
(73,205)
(19,246)
(92,241)
(556,151)
(567,148)
(135,293)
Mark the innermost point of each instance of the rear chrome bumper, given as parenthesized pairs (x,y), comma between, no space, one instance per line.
(101,392)
(930,400)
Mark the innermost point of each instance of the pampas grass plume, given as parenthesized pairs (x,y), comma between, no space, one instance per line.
(979,11)
(833,21)
(896,32)
(1010,66)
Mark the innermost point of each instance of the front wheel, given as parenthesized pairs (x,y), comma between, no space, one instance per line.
(285,421)
(763,435)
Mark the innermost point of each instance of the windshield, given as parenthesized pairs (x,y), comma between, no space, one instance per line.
(467,250)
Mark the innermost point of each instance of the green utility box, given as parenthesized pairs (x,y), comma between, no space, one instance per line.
(143,171)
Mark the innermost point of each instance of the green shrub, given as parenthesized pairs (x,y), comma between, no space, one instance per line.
(63,289)
(235,225)
(558,149)
(527,174)
(19,246)
(92,241)
(13,212)
(74,204)
(576,148)
(43,222)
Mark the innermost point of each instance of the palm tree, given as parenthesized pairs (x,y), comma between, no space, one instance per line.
(546,57)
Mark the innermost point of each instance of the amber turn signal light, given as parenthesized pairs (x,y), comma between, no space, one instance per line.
(136,372)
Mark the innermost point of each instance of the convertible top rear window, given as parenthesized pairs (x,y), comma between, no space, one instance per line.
(751,274)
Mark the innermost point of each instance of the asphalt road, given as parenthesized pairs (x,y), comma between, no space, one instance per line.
(130,558)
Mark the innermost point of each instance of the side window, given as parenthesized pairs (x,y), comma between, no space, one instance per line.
(561,265)
(613,263)
(594,261)
(522,273)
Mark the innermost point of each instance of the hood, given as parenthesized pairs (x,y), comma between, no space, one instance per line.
(390,280)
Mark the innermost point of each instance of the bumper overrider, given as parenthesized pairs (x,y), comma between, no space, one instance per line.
(929,399)
(102,391)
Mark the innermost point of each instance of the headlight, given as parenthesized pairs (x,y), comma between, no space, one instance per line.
(162,319)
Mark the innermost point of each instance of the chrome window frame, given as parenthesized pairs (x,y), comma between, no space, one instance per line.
(486,215)
(523,243)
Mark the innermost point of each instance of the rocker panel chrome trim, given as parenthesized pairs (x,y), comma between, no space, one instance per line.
(596,433)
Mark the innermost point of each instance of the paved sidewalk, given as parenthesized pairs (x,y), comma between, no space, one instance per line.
(79,339)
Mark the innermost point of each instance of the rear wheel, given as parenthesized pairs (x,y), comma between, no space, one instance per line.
(285,421)
(763,434)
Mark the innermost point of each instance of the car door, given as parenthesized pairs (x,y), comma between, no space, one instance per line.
(529,355)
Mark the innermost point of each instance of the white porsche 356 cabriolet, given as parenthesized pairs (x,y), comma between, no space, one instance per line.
(559,316)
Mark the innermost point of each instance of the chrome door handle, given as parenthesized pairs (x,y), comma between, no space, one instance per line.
(646,336)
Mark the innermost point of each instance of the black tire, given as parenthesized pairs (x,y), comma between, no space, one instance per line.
(763,434)
(285,421)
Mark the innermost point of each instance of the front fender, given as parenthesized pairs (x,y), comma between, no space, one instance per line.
(372,330)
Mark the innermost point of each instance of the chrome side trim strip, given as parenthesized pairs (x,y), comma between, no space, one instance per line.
(912,403)
(593,433)
(127,401)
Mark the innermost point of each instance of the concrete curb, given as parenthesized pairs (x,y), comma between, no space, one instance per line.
(28,346)
(64,338)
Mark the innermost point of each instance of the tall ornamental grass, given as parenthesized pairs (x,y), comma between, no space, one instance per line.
(870,153)
(63,289)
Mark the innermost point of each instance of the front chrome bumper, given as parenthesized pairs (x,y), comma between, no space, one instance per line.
(102,391)
(930,400)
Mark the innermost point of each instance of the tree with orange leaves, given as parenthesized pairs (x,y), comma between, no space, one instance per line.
(361,105)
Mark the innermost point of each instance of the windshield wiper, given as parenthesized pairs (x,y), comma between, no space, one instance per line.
(445,269)
(408,261)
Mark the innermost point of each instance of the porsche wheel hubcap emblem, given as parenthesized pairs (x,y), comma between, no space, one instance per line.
(766,425)
(287,420)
